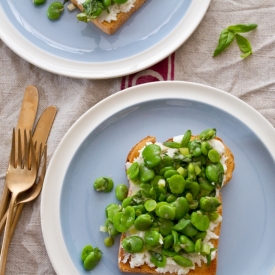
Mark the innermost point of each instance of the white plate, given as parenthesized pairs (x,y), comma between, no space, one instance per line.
(98,143)
(80,50)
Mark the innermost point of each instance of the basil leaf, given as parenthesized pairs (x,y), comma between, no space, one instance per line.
(242,28)
(226,37)
(244,45)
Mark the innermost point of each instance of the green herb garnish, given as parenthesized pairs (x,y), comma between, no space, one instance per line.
(91,10)
(228,34)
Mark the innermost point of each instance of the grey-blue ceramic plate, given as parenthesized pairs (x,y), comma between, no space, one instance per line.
(77,49)
(98,143)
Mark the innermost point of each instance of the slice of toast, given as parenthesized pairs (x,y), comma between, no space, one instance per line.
(113,26)
(203,269)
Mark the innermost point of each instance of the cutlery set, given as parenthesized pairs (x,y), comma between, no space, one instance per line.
(24,177)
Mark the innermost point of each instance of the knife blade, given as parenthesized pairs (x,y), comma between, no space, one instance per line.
(43,128)
(28,111)
(25,121)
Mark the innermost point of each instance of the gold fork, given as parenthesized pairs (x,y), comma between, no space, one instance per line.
(19,178)
(27,196)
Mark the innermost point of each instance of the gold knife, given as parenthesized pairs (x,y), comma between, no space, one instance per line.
(25,121)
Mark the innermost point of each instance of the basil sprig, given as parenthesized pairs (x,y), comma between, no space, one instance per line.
(228,34)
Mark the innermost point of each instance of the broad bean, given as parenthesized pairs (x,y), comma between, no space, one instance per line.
(133,244)
(54,10)
(121,192)
(182,261)
(103,184)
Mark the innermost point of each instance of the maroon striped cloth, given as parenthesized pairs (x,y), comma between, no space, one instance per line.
(164,70)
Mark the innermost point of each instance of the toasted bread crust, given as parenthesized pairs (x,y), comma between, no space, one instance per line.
(113,26)
(204,269)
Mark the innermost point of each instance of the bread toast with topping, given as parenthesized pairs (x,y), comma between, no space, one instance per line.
(203,269)
(113,26)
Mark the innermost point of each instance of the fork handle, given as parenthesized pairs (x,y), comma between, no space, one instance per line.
(4,201)
(16,214)
(7,235)
(3,222)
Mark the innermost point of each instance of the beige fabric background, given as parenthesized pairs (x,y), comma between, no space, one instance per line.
(252,80)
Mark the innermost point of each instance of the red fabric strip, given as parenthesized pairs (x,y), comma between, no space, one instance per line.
(164,70)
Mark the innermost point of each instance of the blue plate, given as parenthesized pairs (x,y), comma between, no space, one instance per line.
(163,110)
(75,47)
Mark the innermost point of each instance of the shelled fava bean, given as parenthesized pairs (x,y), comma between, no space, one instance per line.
(175,203)
(54,10)
(121,192)
(39,2)
(90,257)
(103,184)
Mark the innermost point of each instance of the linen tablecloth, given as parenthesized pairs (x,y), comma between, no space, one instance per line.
(251,79)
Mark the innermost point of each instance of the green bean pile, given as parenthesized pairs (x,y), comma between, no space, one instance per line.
(175,202)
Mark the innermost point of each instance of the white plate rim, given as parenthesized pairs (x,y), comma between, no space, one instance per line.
(50,216)
(61,66)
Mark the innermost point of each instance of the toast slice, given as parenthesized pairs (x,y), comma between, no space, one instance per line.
(204,269)
(113,26)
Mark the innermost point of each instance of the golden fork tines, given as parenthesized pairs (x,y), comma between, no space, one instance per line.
(19,178)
